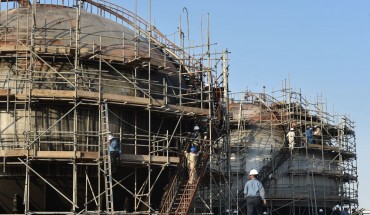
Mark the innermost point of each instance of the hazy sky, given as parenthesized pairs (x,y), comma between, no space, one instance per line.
(323,46)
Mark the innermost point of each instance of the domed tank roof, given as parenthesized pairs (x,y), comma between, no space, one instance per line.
(55,34)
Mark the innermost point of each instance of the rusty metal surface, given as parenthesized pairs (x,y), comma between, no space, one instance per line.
(55,34)
(23,3)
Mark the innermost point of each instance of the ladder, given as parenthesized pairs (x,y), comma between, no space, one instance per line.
(107,159)
(180,194)
(22,62)
(186,195)
(277,159)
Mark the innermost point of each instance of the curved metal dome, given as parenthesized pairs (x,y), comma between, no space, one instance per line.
(55,34)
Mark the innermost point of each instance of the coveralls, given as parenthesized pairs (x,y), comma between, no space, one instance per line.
(309,135)
(291,141)
(192,159)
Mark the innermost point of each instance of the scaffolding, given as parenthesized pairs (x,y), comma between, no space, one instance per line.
(321,170)
(72,74)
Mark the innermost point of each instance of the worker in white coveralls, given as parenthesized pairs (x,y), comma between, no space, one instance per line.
(291,138)
(192,159)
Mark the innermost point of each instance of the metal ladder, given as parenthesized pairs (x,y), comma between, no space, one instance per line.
(107,159)
(185,199)
(277,159)
(186,196)
(22,63)
(180,194)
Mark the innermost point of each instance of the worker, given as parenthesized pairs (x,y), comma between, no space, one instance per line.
(192,159)
(309,135)
(317,135)
(345,211)
(196,134)
(336,210)
(255,194)
(291,139)
(114,149)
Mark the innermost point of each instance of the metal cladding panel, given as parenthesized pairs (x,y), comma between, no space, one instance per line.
(249,111)
(12,129)
(50,132)
(44,77)
(261,141)
(258,140)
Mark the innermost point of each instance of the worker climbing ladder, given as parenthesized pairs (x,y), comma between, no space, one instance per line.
(181,193)
(186,195)
(107,159)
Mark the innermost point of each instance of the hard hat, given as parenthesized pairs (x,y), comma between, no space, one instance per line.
(193,149)
(321,210)
(110,137)
(292,129)
(196,128)
(337,206)
(253,172)
(308,126)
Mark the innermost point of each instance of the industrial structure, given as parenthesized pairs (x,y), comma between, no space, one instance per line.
(319,172)
(74,72)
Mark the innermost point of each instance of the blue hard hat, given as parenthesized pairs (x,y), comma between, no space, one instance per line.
(193,149)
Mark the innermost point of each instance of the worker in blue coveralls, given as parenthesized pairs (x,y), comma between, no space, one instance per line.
(309,135)
(255,194)
(114,149)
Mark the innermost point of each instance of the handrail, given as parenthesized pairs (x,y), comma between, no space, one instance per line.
(170,195)
(277,159)
(150,32)
(191,189)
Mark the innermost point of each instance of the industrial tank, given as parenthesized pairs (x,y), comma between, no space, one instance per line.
(64,74)
(312,176)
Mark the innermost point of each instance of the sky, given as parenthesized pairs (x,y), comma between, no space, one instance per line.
(323,47)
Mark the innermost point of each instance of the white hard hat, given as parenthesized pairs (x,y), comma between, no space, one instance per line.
(337,206)
(321,210)
(253,172)
(110,137)
(196,128)
(292,129)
